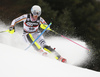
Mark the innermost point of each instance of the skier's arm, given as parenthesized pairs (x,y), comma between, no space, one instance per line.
(15,21)
(43,23)
(19,19)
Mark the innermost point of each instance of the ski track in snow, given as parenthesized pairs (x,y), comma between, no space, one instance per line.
(74,54)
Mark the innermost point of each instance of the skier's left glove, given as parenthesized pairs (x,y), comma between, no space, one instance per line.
(12,30)
(43,26)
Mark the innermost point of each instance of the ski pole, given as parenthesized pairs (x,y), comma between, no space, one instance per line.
(11,32)
(4,31)
(39,36)
(43,26)
(71,40)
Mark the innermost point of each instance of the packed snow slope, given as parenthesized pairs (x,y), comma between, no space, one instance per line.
(74,54)
(18,63)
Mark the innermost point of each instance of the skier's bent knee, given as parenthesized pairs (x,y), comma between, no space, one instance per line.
(48,49)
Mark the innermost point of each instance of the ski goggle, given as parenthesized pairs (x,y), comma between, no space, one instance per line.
(36,13)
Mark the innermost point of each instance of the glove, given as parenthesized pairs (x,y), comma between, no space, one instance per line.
(12,30)
(44,26)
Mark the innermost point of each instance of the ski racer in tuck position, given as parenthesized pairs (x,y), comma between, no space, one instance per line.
(31,24)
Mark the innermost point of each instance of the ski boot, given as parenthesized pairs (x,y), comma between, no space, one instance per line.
(62,60)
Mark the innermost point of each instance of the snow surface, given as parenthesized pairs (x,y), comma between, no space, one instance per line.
(15,62)
(74,54)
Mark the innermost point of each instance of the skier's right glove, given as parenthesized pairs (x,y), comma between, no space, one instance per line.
(12,30)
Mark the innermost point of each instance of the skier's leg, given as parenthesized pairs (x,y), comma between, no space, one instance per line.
(47,48)
(56,55)
(29,38)
(51,50)
(40,43)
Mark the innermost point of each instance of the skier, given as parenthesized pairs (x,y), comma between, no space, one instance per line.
(31,24)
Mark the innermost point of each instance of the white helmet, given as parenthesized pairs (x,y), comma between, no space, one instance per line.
(36,10)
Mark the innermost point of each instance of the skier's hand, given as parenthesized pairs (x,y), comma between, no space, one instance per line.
(44,27)
(11,29)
